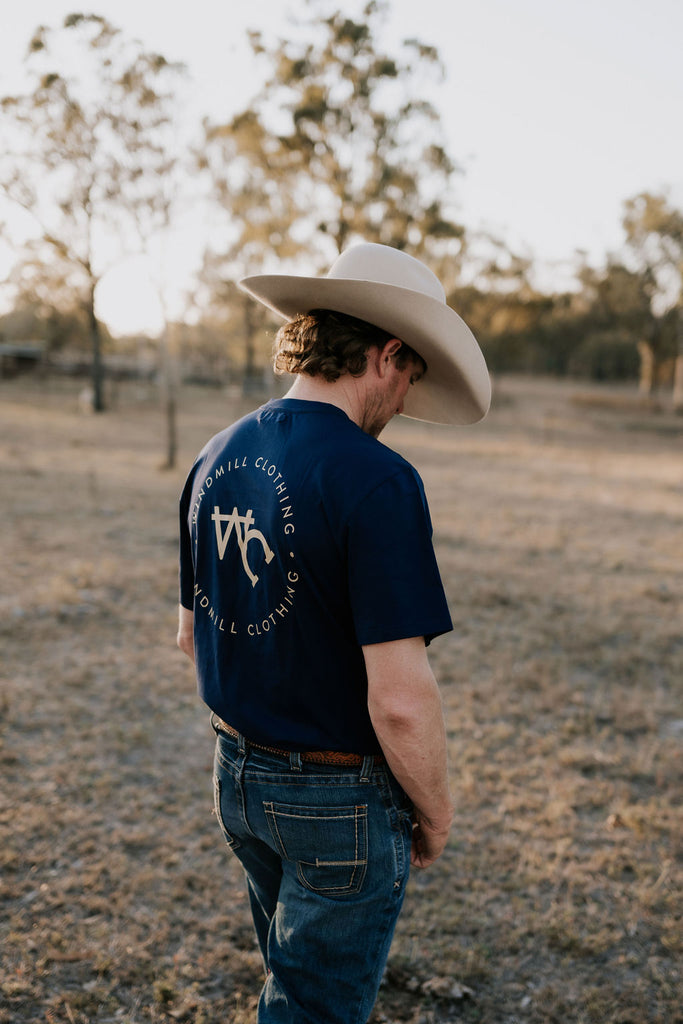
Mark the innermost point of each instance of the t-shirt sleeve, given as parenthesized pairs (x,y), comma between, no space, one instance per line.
(394,582)
(186,574)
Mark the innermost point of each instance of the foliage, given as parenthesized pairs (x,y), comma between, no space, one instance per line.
(58,328)
(82,155)
(605,355)
(654,235)
(339,143)
(597,332)
(336,145)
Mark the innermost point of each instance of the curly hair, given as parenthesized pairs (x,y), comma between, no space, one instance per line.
(329,344)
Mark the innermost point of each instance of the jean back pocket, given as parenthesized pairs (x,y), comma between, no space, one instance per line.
(329,845)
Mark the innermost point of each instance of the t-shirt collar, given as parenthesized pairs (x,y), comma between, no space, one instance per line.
(304,405)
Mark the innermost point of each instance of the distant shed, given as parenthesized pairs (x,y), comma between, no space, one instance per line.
(21,357)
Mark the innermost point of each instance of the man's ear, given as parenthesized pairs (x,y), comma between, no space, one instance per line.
(386,354)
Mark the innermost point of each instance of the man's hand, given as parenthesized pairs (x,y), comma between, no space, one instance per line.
(429,841)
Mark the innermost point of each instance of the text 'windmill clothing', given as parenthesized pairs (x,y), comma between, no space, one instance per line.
(303,538)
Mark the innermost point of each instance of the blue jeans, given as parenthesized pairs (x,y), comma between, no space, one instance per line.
(326,851)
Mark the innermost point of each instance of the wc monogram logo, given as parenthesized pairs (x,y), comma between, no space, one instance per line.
(244,533)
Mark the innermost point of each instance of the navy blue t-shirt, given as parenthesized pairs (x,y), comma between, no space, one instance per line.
(303,538)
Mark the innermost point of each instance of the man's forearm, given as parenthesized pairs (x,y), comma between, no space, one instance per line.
(413,739)
(405,710)
(185,636)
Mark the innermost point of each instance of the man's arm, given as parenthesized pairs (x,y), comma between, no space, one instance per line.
(405,710)
(185,638)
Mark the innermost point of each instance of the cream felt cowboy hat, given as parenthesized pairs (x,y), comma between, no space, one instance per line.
(394,291)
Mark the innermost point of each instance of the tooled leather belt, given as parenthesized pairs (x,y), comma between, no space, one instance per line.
(334,757)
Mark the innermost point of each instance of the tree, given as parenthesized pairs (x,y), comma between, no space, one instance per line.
(82,152)
(153,200)
(613,310)
(336,146)
(501,305)
(369,151)
(251,179)
(654,233)
(238,320)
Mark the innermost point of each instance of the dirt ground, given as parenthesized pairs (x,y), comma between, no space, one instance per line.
(558,525)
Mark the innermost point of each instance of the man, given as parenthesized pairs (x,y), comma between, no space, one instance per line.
(309,592)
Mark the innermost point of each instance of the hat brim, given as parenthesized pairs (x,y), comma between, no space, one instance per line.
(456,388)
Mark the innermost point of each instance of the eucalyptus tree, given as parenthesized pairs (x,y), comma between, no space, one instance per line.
(252,180)
(83,152)
(368,145)
(340,143)
(654,234)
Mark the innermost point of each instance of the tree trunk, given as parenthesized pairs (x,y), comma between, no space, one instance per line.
(97,364)
(169,391)
(678,382)
(678,368)
(171,429)
(252,381)
(646,383)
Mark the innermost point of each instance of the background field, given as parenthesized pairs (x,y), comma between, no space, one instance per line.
(558,524)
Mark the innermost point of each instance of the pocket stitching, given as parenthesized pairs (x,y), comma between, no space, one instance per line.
(359,864)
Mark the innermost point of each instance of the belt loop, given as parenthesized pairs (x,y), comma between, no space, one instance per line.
(241,744)
(295,760)
(366,770)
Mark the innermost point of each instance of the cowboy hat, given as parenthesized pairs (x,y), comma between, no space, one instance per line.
(394,291)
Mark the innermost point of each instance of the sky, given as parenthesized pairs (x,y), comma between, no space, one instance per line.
(557,112)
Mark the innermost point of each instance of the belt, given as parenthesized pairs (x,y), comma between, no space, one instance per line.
(312,756)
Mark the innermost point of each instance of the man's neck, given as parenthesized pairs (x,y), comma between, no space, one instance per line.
(345,394)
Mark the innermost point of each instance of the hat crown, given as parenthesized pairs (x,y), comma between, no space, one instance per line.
(382,264)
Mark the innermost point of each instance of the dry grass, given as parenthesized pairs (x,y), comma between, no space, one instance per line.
(558,527)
